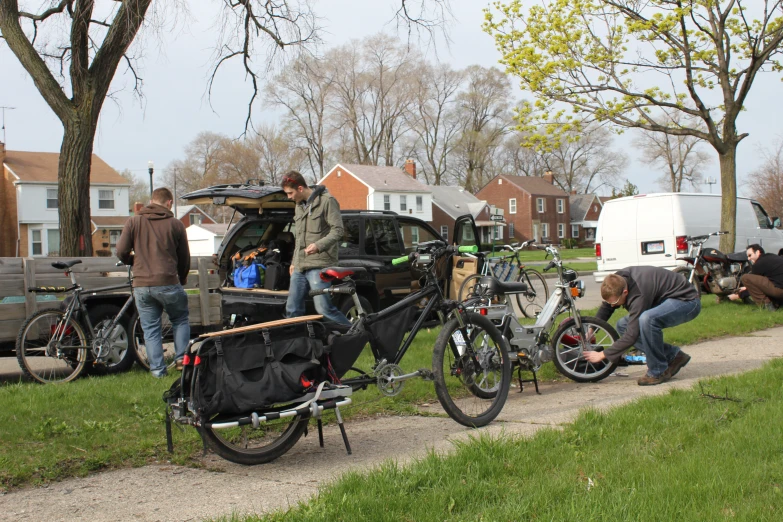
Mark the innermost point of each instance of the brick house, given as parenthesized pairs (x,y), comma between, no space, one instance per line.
(367,187)
(193,215)
(585,209)
(32,228)
(449,203)
(534,207)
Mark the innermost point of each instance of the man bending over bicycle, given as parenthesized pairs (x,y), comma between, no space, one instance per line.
(655,298)
(160,267)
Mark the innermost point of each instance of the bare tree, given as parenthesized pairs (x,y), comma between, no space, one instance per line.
(139,191)
(433,119)
(680,156)
(277,154)
(484,110)
(513,158)
(766,182)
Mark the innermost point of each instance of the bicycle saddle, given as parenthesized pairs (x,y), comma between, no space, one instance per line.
(340,272)
(64,265)
(495,287)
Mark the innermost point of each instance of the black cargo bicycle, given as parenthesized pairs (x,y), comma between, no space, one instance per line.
(251,391)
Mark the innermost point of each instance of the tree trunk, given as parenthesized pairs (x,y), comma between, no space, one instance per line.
(728,209)
(73,189)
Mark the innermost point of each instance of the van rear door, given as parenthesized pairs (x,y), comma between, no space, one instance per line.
(655,242)
(617,234)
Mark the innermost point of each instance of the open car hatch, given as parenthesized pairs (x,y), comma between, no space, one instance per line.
(246,199)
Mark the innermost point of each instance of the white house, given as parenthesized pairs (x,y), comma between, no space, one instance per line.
(366,187)
(29,219)
(205,239)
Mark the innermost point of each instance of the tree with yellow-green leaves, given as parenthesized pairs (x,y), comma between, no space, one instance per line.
(631,64)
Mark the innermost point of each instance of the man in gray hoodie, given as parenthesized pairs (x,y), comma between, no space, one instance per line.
(161,262)
(655,298)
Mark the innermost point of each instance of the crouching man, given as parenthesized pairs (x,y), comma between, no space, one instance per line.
(764,283)
(655,298)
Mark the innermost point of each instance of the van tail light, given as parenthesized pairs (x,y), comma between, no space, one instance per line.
(682,245)
(598,251)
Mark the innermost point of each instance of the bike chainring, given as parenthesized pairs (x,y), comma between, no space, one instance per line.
(388,387)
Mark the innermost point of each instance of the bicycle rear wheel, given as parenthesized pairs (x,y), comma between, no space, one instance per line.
(533,301)
(249,446)
(471,378)
(45,359)
(467,287)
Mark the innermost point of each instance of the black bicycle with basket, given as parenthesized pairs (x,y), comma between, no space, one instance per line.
(251,391)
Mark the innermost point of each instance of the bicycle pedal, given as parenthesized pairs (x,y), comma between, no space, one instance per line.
(426,374)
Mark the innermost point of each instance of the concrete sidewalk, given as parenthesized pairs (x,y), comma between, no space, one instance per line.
(166,492)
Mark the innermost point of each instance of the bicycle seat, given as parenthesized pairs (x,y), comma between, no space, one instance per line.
(334,273)
(64,265)
(738,257)
(495,287)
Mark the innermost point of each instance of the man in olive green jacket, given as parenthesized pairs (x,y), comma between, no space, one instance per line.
(319,228)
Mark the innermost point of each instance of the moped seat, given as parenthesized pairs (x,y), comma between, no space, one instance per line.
(738,257)
(496,287)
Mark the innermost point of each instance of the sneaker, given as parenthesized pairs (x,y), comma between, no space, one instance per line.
(160,375)
(649,380)
(772,307)
(679,361)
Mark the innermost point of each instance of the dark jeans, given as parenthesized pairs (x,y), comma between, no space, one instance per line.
(301,284)
(151,302)
(671,312)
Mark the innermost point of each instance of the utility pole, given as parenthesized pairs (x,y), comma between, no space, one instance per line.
(710,182)
(4,108)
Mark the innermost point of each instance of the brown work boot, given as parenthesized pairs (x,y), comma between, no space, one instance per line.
(771,306)
(649,380)
(178,365)
(679,361)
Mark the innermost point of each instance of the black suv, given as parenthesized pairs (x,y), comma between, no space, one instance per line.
(372,239)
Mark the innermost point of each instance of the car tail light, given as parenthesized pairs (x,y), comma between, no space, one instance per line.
(598,251)
(682,245)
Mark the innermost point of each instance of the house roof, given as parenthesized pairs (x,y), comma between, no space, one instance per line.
(456,201)
(183,211)
(219,229)
(384,179)
(534,185)
(580,205)
(43,167)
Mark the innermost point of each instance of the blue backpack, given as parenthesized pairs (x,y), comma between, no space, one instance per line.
(247,276)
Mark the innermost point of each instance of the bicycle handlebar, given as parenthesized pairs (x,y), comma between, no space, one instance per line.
(473,249)
(706,236)
(48,289)
(342,289)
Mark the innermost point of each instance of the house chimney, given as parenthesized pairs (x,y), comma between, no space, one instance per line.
(137,207)
(549,177)
(410,168)
(573,192)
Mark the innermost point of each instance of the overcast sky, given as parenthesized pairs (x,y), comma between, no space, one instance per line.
(176,66)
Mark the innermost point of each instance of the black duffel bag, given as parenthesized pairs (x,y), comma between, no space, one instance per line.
(247,371)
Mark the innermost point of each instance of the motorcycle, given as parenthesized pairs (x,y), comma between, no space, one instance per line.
(711,271)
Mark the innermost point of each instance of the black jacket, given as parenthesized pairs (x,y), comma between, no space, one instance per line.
(648,286)
(771,267)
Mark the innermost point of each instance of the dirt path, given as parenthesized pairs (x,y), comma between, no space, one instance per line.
(166,492)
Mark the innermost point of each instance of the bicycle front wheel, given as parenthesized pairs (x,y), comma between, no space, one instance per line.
(47,357)
(249,446)
(472,370)
(532,302)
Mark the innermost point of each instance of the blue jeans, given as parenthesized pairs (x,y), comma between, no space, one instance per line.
(671,312)
(301,284)
(151,301)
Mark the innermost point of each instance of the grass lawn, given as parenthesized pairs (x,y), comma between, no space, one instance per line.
(683,456)
(53,432)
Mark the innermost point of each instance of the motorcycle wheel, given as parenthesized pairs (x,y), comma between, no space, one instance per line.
(686,273)
(249,446)
(567,349)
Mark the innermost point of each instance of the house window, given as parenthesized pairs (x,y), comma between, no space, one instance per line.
(403,203)
(415,235)
(195,218)
(36,243)
(560,206)
(575,231)
(419,203)
(511,230)
(444,232)
(561,230)
(386,202)
(512,206)
(106,199)
(51,198)
(540,204)
(544,231)
(53,242)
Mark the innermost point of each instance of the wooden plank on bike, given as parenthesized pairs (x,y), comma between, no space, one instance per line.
(261,326)
(28,265)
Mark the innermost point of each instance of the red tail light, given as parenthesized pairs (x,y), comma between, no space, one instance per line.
(197,361)
(598,251)
(483,311)
(186,360)
(682,245)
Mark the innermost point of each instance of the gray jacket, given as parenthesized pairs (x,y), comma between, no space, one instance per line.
(648,286)
(318,221)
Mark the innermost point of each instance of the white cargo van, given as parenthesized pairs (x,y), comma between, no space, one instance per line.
(650,229)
